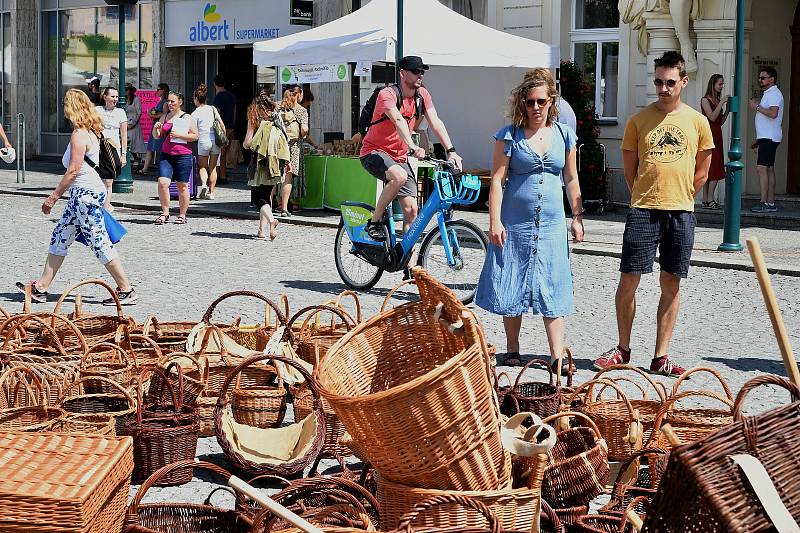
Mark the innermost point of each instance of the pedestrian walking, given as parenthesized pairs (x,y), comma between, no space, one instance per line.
(225,102)
(527,264)
(133,110)
(769,115)
(264,137)
(295,120)
(207,149)
(115,128)
(153,144)
(177,129)
(666,153)
(93,91)
(713,105)
(83,213)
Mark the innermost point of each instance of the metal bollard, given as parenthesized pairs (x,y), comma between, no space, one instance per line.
(21,146)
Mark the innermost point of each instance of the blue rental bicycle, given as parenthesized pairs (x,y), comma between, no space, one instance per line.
(453,251)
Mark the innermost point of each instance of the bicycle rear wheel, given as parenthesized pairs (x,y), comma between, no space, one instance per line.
(469,245)
(355,272)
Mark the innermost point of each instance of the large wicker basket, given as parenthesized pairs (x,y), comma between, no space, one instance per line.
(95,328)
(704,489)
(313,339)
(412,386)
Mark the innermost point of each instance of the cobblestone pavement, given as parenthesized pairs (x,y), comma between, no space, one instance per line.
(179,270)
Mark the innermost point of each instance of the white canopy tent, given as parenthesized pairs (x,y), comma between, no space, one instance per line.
(442,38)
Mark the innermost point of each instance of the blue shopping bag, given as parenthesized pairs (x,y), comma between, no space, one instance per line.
(116,231)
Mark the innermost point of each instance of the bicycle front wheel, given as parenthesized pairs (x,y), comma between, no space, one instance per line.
(468,244)
(354,271)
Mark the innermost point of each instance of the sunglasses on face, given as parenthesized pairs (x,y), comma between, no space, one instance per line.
(541,101)
(417,71)
(669,83)
(764,77)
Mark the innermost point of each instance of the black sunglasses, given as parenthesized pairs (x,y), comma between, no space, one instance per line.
(669,83)
(764,77)
(541,101)
(417,71)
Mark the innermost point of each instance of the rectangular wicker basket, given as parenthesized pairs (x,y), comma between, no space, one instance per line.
(63,483)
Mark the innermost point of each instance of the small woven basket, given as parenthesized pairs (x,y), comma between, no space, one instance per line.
(31,418)
(312,340)
(303,401)
(260,405)
(536,397)
(108,360)
(95,328)
(86,425)
(120,404)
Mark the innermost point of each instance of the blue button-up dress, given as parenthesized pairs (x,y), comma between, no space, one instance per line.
(532,270)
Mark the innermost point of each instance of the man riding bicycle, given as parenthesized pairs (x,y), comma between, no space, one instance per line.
(388,141)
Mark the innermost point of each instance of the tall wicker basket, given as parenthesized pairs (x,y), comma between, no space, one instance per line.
(412,386)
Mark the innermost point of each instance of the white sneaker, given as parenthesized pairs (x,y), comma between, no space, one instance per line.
(210,196)
(201,194)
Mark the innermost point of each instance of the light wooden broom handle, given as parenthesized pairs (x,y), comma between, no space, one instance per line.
(774,311)
(272,505)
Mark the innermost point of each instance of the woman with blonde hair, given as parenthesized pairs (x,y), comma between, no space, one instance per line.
(115,127)
(261,109)
(83,212)
(527,265)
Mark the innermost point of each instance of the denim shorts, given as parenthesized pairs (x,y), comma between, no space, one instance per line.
(671,232)
(176,167)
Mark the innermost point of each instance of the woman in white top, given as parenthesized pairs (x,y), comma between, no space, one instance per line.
(207,149)
(115,127)
(83,212)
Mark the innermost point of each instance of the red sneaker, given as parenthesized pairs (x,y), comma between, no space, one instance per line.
(665,367)
(615,356)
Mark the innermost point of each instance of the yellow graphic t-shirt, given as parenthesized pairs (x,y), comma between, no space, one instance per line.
(667,144)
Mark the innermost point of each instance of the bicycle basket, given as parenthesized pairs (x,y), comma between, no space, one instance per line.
(459,190)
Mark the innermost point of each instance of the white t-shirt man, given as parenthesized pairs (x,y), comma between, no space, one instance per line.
(770,128)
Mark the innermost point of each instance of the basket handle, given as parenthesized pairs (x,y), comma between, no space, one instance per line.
(100,282)
(144,339)
(131,400)
(566,414)
(660,391)
(356,302)
(210,311)
(53,317)
(630,514)
(36,381)
(86,360)
(635,458)
(765,379)
(17,326)
(405,525)
(346,512)
(635,430)
(551,515)
(131,515)
(208,330)
(263,477)
(666,408)
(165,381)
(570,364)
(388,298)
(497,379)
(315,310)
(698,370)
(533,362)
(626,379)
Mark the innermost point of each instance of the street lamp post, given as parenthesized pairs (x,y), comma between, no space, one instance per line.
(398,51)
(733,180)
(124,182)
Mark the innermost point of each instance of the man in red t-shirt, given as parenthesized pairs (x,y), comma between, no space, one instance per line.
(387,142)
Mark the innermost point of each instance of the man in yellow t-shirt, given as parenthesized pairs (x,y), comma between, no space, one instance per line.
(666,152)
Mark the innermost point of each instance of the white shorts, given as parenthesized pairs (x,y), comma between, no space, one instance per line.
(206,147)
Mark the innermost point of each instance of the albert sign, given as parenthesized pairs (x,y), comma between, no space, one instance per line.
(221,22)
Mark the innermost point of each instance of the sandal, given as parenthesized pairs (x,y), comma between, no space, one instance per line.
(180,220)
(713,205)
(705,204)
(161,220)
(511,359)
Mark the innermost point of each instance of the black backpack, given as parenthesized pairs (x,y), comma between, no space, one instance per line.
(365,118)
(110,165)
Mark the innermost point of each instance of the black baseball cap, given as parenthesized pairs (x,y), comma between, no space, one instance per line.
(412,63)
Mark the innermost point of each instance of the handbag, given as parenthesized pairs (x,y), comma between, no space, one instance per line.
(220,136)
(115,230)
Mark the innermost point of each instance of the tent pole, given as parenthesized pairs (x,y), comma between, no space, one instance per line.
(399,48)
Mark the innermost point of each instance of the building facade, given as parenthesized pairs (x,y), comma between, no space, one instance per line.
(50,46)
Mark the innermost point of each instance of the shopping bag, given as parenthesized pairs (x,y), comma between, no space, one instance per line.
(116,231)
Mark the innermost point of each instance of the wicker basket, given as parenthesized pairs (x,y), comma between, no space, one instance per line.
(145,352)
(260,405)
(303,401)
(95,328)
(514,508)
(690,423)
(284,451)
(312,340)
(412,385)
(387,300)
(167,434)
(85,425)
(577,469)
(490,523)
(55,483)
(193,376)
(250,337)
(170,336)
(704,490)
(639,476)
(55,377)
(106,359)
(43,334)
(182,517)
(39,417)
(120,404)
(537,397)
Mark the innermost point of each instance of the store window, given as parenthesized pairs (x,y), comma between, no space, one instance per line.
(7,70)
(595,49)
(82,43)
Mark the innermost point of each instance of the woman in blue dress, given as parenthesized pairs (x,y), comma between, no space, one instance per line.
(527,266)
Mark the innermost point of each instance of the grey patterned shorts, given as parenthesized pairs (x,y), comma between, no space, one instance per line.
(671,232)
